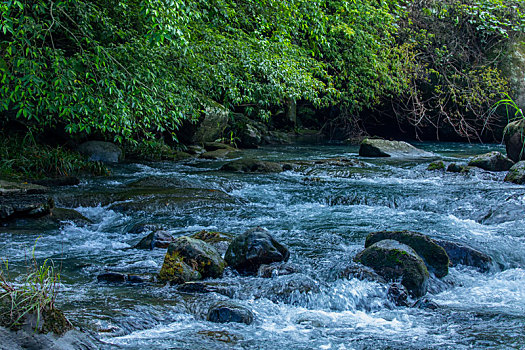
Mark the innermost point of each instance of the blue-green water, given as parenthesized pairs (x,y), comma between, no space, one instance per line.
(323,214)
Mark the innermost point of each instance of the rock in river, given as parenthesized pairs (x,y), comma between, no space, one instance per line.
(393,261)
(157,239)
(196,254)
(223,312)
(515,140)
(462,254)
(385,148)
(254,248)
(434,256)
(492,161)
(516,174)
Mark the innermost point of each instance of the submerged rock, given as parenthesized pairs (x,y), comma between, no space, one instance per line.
(492,161)
(425,303)
(385,148)
(398,294)
(515,140)
(157,239)
(248,165)
(394,260)
(225,289)
(434,256)
(255,247)
(106,152)
(462,254)
(112,277)
(202,257)
(516,174)
(224,312)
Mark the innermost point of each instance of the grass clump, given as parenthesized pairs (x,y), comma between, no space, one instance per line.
(24,158)
(33,300)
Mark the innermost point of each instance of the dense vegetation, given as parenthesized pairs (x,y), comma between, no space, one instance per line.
(130,70)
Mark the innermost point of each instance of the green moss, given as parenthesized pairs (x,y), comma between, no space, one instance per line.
(437,165)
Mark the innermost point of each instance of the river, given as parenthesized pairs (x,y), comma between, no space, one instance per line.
(323,214)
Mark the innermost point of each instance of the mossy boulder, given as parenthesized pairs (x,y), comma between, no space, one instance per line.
(434,256)
(515,140)
(255,247)
(492,161)
(370,147)
(176,271)
(227,311)
(436,165)
(198,254)
(516,174)
(393,261)
(248,165)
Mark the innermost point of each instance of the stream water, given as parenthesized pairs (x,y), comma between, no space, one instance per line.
(323,214)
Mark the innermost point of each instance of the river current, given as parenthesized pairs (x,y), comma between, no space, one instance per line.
(323,214)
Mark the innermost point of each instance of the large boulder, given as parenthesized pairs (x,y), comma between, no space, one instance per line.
(101,151)
(255,247)
(213,122)
(516,174)
(224,312)
(248,165)
(394,260)
(462,254)
(198,254)
(434,256)
(385,148)
(515,140)
(492,161)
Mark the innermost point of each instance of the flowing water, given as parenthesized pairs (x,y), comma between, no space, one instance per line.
(323,214)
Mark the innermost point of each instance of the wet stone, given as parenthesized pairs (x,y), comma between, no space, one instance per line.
(492,161)
(224,312)
(255,247)
(158,239)
(393,260)
(433,255)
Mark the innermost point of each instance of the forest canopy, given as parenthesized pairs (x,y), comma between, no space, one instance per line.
(130,70)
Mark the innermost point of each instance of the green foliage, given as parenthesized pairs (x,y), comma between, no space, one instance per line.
(457,48)
(23,158)
(512,110)
(133,70)
(35,295)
